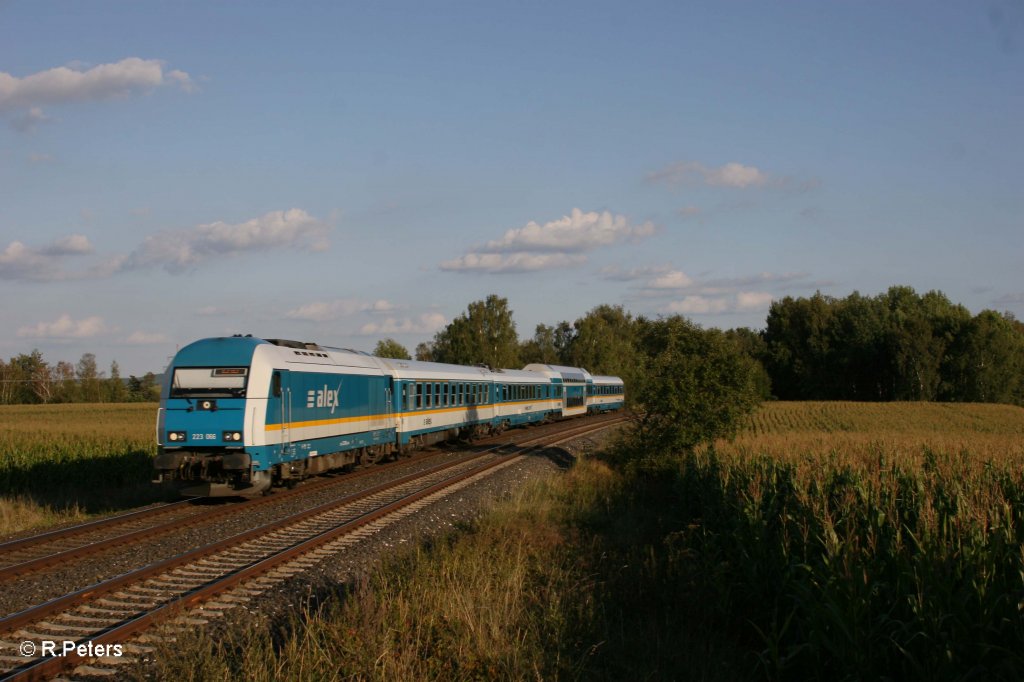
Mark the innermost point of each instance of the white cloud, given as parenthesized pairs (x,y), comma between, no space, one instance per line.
(674,279)
(576,232)
(179,250)
(320,311)
(679,282)
(698,305)
(426,323)
(140,338)
(512,262)
(753,300)
(742,302)
(42,264)
(64,327)
(731,174)
(66,84)
(556,244)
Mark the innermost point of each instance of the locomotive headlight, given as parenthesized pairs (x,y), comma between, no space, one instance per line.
(233,436)
(176,436)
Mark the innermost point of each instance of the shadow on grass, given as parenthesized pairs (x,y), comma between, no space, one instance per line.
(91,485)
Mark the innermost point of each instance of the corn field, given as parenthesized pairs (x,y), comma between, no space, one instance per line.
(73,459)
(866,540)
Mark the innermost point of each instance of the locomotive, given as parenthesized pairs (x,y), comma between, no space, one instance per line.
(240,414)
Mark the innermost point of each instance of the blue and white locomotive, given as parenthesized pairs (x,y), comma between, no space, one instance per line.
(241,414)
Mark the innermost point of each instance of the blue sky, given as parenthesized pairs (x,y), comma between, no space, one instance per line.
(342,172)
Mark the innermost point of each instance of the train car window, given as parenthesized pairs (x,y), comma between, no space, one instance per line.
(275,385)
(430,393)
(444,390)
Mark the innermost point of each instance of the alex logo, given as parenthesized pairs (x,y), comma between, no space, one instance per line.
(324,397)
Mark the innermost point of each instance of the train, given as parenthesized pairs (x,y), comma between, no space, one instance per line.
(239,415)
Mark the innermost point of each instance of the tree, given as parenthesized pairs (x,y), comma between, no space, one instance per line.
(9,381)
(541,348)
(694,385)
(115,388)
(987,362)
(603,342)
(389,348)
(144,389)
(751,344)
(425,351)
(89,379)
(798,337)
(31,374)
(485,333)
(65,375)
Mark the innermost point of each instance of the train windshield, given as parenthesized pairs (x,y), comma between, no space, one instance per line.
(209,382)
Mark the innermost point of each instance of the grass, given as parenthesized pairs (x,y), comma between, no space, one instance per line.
(61,463)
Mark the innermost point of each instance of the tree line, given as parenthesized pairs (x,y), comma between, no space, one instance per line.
(898,345)
(29,379)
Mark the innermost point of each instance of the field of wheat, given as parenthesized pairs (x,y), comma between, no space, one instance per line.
(66,462)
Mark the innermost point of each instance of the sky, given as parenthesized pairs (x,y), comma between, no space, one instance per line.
(341,172)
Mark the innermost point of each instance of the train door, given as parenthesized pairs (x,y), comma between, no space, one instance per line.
(279,409)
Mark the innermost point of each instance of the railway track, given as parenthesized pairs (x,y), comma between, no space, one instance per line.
(41,552)
(34,643)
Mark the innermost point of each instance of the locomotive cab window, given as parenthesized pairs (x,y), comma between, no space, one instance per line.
(209,382)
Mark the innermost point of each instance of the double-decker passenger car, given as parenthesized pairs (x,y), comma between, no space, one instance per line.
(239,414)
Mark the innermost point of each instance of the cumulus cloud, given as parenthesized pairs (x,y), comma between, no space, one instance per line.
(694,172)
(42,264)
(555,244)
(674,279)
(320,311)
(742,302)
(180,250)
(66,84)
(426,323)
(576,232)
(64,327)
